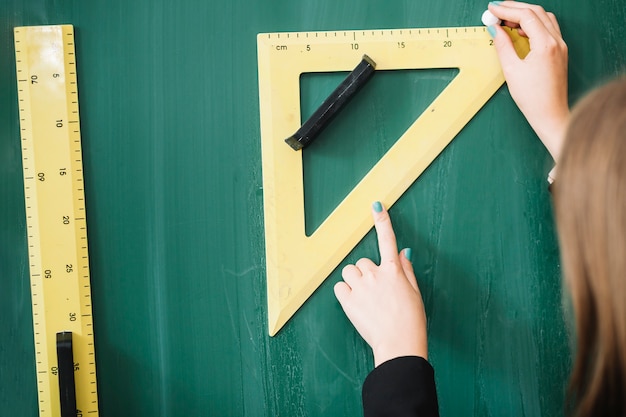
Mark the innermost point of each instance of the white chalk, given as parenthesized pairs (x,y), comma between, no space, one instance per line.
(489,19)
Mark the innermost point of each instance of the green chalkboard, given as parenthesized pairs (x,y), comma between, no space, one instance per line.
(170,123)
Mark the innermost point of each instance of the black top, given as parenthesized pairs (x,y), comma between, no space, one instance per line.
(401,387)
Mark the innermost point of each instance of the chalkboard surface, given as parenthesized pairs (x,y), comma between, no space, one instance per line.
(170,124)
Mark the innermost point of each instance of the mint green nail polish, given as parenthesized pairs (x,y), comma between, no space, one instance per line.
(492,31)
(495,3)
(407,254)
(377,207)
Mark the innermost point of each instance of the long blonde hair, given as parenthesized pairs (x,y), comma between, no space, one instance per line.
(590,203)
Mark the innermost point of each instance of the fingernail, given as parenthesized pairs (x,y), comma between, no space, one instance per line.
(407,254)
(377,207)
(492,31)
(495,3)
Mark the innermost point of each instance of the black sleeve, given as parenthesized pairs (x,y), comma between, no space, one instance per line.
(401,387)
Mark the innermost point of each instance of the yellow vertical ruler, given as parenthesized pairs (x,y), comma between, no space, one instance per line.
(55,210)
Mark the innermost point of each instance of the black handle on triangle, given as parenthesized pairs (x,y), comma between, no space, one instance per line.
(333,104)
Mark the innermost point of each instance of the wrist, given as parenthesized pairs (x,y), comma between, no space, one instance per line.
(384,353)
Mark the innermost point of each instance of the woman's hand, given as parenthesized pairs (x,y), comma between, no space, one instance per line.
(538,83)
(383,302)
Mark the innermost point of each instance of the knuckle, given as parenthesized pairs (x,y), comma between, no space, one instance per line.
(539,9)
(363,263)
(527,15)
(392,265)
(383,219)
(552,44)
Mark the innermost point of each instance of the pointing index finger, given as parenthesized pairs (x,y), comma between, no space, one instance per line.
(386,237)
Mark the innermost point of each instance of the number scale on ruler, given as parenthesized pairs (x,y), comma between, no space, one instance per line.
(55,211)
(396,38)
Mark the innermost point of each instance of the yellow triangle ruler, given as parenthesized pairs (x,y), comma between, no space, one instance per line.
(56,222)
(297,264)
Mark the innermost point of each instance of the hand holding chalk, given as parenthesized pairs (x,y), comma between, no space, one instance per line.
(537,83)
(384,302)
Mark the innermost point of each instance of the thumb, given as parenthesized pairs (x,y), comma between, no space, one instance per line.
(407,267)
(504,47)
